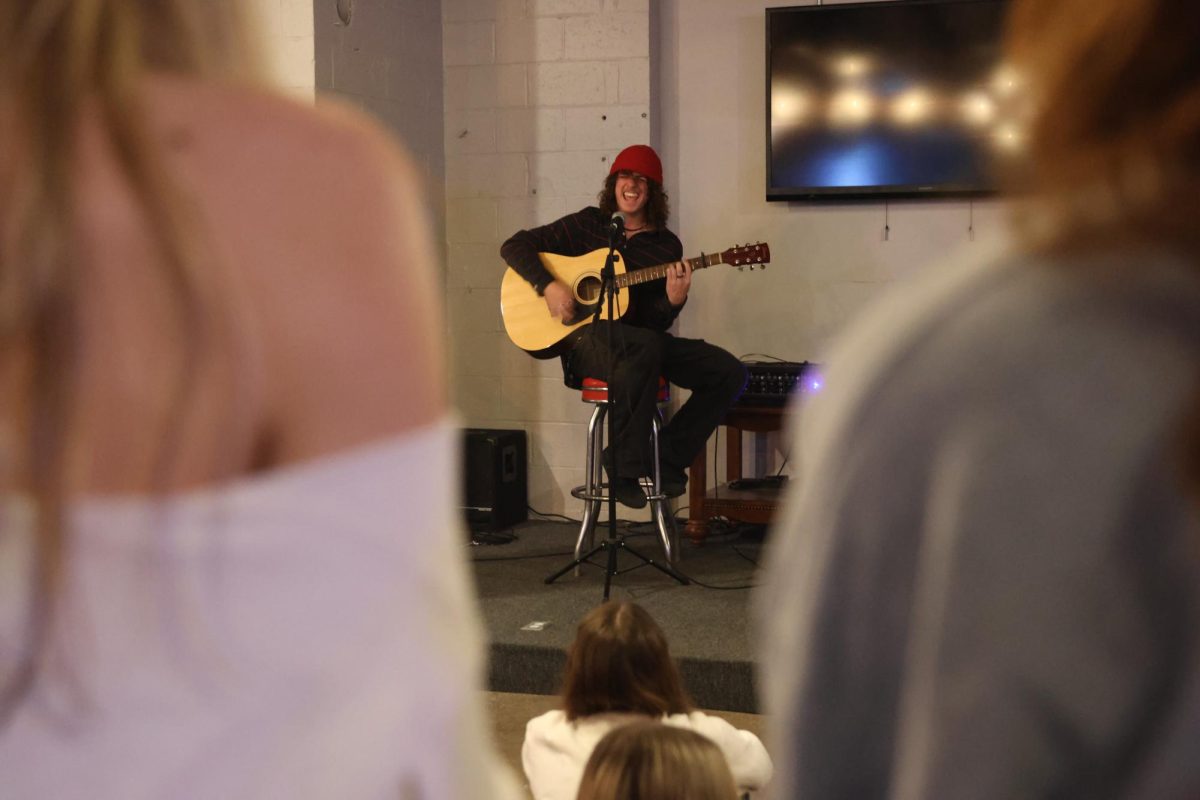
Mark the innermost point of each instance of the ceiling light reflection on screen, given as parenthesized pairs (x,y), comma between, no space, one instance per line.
(1009,138)
(978,108)
(851,65)
(912,107)
(851,108)
(1005,81)
(790,106)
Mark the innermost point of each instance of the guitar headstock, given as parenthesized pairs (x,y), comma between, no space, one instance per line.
(748,255)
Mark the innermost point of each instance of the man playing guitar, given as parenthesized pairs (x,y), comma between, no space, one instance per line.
(642,348)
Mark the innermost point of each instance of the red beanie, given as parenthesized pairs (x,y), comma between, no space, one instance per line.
(639,158)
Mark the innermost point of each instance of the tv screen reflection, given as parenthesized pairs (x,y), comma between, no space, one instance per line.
(889,98)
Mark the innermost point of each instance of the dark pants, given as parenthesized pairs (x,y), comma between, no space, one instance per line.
(714,377)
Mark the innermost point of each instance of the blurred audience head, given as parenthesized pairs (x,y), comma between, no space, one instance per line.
(1114,121)
(620,661)
(653,761)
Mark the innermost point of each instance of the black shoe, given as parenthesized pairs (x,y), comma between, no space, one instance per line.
(629,492)
(674,480)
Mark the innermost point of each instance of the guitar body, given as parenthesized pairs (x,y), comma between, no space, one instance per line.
(528,321)
(532,328)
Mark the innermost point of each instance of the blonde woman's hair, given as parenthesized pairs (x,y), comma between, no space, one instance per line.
(653,761)
(58,59)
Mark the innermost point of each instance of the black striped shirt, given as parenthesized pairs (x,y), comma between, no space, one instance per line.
(587,230)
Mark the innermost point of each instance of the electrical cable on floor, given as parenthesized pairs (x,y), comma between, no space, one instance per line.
(553,516)
(743,555)
(492,538)
(704,585)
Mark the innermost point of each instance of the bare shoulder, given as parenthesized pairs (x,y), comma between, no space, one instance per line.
(329,145)
(325,219)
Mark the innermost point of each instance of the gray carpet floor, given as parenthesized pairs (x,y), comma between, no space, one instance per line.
(530,623)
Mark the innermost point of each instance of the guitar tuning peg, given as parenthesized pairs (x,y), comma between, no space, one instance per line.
(740,268)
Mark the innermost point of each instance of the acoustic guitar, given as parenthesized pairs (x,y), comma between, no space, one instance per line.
(532,328)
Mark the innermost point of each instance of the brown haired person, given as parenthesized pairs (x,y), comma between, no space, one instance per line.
(989,584)
(642,348)
(653,761)
(619,670)
(229,557)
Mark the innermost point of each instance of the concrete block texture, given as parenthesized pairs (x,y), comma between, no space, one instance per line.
(469,42)
(527,40)
(295,16)
(285,31)
(567,83)
(520,213)
(471,130)
(475,309)
(486,175)
(530,130)
(628,6)
(572,174)
(488,86)
(475,264)
(633,82)
(608,36)
(606,127)
(466,10)
(551,8)
(471,219)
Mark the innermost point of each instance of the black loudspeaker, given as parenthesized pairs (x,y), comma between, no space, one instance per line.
(496,490)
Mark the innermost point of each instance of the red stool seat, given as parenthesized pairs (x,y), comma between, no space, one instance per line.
(596,390)
(594,490)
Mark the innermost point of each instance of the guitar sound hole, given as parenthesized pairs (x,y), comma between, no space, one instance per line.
(588,290)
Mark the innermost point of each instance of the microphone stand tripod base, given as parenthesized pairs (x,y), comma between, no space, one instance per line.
(614,542)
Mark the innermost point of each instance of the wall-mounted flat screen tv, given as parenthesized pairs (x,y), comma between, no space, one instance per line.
(888,99)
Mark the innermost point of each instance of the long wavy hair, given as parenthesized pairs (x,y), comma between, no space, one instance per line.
(620,661)
(658,209)
(58,60)
(1113,135)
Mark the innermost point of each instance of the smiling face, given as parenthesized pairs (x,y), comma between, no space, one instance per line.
(632,192)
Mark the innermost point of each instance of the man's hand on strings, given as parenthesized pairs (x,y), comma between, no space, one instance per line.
(679,281)
(559,300)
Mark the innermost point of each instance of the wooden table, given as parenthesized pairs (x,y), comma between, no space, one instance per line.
(747,505)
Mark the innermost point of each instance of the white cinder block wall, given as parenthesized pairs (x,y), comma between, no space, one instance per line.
(388,61)
(828,259)
(285,29)
(539,96)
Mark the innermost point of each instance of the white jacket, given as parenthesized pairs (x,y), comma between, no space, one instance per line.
(556,749)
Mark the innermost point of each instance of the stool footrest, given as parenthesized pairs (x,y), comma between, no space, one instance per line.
(601,493)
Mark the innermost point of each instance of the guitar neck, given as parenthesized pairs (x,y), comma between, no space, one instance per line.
(636,276)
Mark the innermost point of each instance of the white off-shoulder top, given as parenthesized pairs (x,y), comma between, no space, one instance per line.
(306,633)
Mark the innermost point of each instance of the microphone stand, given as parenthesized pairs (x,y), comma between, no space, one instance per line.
(615,541)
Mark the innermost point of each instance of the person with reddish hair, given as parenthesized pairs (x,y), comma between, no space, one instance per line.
(988,583)
(641,348)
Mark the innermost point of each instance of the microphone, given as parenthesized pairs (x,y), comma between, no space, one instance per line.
(617,223)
